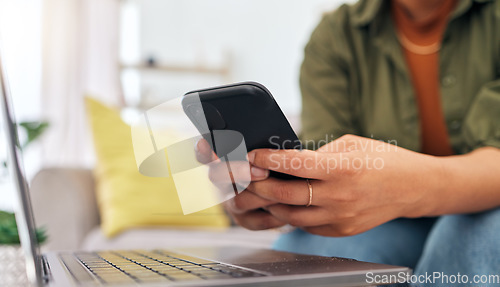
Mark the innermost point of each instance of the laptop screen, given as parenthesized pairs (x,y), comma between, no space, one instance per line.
(24,212)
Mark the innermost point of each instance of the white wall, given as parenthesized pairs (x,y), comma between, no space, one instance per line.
(265,37)
(20,42)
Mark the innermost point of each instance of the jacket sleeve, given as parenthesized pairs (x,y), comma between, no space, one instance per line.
(481,126)
(326,112)
(482,122)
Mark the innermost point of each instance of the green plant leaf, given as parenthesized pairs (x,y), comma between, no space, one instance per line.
(9,233)
(33,130)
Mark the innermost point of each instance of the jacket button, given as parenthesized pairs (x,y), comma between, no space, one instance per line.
(455,125)
(448,80)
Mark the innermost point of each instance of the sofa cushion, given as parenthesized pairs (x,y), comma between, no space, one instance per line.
(126,198)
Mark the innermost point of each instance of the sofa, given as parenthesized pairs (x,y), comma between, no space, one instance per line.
(64,203)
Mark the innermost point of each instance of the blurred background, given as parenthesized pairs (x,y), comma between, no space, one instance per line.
(135,54)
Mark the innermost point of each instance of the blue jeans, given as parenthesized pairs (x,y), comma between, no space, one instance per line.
(452,244)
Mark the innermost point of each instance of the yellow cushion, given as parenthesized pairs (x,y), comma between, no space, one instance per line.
(126,198)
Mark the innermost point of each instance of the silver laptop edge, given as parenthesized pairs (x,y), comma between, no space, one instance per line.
(23,210)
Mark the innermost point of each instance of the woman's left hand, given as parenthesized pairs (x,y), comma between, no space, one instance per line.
(358,184)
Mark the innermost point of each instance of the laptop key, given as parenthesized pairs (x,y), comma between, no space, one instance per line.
(188,258)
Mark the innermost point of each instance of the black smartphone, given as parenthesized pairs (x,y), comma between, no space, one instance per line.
(247,108)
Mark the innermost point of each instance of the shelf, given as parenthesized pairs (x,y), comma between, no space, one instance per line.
(223,71)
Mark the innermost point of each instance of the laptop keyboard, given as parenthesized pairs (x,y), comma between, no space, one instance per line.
(119,267)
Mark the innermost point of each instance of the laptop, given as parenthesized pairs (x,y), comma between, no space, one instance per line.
(196,266)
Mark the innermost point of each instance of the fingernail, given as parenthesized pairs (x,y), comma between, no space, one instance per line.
(196,146)
(259,172)
(201,146)
(251,157)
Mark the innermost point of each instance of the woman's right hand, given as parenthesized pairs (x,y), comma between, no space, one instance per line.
(247,209)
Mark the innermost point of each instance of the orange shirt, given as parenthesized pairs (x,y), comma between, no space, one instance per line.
(424,72)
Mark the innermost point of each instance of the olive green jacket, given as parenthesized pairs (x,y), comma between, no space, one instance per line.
(354,77)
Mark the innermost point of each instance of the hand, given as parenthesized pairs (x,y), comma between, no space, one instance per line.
(358,184)
(246,208)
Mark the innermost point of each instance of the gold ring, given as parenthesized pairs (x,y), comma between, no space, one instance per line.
(309,185)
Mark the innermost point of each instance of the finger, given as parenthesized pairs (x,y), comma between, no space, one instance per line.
(257,220)
(238,171)
(258,173)
(246,201)
(349,143)
(295,192)
(204,153)
(332,230)
(323,230)
(233,177)
(299,215)
(301,163)
(343,144)
(347,227)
